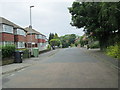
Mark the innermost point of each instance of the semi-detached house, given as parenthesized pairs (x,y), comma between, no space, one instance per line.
(35,39)
(11,33)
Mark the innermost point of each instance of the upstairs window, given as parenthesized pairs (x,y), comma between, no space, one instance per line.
(36,36)
(7,28)
(40,36)
(21,32)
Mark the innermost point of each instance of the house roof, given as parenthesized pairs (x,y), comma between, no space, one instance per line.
(5,21)
(30,30)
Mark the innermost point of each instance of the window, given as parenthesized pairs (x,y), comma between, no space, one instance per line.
(21,32)
(41,44)
(36,36)
(20,44)
(7,28)
(7,43)
(40,37)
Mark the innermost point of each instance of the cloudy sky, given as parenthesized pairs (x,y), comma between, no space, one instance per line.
(47,15)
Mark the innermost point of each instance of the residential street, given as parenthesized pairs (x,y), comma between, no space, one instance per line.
(64,68)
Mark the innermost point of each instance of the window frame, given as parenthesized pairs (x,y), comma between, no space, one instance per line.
(5,28)
(20,32)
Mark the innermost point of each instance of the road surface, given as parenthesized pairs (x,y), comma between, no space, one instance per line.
(66,68)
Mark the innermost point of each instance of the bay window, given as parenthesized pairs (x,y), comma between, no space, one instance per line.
(7,28)
(20,44)
(21,32)
(36,36)
(7,43)
(40,36)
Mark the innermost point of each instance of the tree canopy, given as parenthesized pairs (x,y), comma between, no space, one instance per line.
(67,40)
(100,20)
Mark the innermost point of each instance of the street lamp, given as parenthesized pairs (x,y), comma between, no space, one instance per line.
(30,27)
(30,17)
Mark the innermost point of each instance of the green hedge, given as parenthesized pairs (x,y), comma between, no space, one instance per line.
(49,47)
(25,52)
(113,51)
(94,45)
(7,51)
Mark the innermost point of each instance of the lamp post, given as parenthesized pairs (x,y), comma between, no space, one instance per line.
(30,17)
(30,27)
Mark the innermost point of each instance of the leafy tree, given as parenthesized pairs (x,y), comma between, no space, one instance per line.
(64,41)
(56,36)
(99,18)
(67,40)
(72,38)
(54,42)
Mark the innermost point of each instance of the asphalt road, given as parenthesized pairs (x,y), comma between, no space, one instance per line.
(66,68)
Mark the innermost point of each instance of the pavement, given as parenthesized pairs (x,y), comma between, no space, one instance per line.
(26,62)
(30,61)
(105,58)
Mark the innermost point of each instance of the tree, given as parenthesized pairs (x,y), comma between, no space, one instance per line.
(56,36)
(54,42)
(72,38)
(67,40)
(101,19)
(51,36)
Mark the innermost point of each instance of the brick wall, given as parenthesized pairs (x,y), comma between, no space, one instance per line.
(31,38)
(20,38)
(7,37)
(41,40)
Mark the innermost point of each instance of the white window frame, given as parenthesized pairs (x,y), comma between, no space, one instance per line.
(7,43)
(20,44)
(7,28)
(21,32)
(40,36)
(36,36)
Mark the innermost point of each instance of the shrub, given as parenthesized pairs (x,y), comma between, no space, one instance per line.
(113,51)
(26,53)
(72,45)
(7,51)
(55,42)
(49,47)
(94,45)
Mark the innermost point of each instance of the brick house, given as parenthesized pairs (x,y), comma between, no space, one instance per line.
(35,39)
(20,38)
(31,38)
(11,33)
(42,42)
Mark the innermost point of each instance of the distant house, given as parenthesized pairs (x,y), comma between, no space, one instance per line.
(42,42)
(11,33)
(35,39)
(31,37)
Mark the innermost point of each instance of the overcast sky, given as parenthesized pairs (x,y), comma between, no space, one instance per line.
(47,15)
